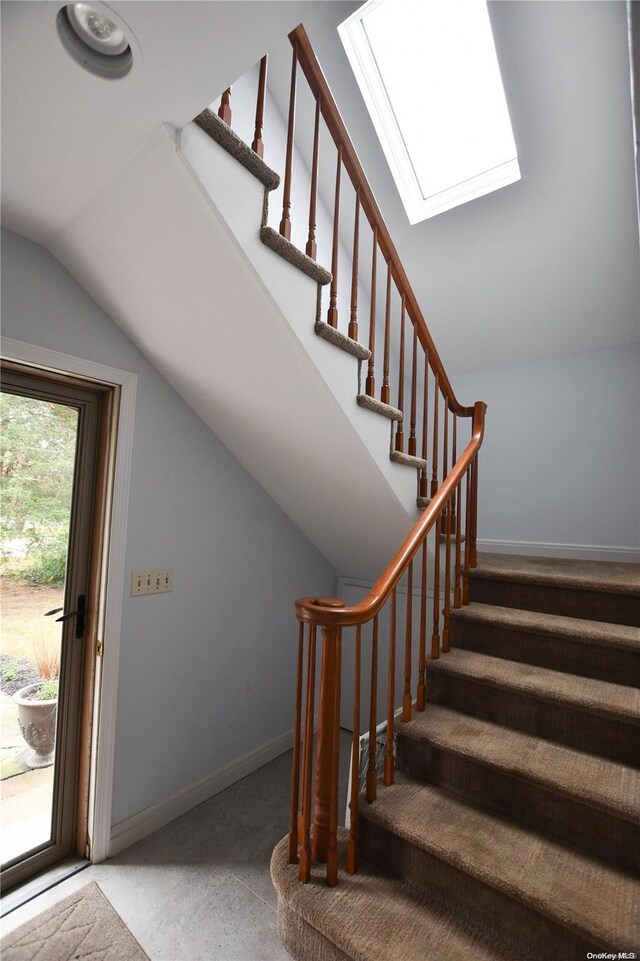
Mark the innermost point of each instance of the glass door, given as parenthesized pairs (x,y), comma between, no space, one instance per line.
(50,447)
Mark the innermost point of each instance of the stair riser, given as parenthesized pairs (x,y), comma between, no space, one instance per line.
(521,933)
(566,819)
(605,663)
(302,940)
(570,602)
(553,720)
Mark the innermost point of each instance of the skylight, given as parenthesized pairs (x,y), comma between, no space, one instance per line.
(429,75)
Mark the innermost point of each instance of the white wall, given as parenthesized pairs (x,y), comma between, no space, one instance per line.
(353,591)
(327,461)
(548,265)
(275,134)
(560,463)
(206,672)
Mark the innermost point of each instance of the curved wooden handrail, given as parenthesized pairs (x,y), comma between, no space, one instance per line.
(330,612)
(321,91)
(313,829)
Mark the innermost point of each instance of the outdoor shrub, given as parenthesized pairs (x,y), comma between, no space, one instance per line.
(48,690)
(47,657)
(10,672)
(48,561)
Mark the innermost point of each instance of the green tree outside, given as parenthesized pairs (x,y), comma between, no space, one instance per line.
(37,455)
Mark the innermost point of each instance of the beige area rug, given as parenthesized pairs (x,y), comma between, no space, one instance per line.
(82,926)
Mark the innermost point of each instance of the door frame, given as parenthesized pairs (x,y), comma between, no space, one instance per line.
(110,618)
(94,405)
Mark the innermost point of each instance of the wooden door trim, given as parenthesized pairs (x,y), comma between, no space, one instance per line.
(89,400)
(113,573)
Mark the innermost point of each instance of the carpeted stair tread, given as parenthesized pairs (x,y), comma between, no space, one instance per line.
(601,576)
(571,628)
(338,339)
(408,460)
(568,641)
(584,895)
(280,245)
(599,697)
(370,403)
(371,917)
(603,784)
(217,129)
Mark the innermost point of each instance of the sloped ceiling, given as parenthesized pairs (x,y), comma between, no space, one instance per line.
(66,133)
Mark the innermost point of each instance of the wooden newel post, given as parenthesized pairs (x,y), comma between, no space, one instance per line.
(324,760)
(294,823)
(471,550)
(473,553)
(327,720)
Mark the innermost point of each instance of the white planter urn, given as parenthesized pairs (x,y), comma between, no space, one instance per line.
(37,721)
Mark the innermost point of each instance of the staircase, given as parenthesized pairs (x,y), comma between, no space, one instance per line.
(512,828)
(495,814)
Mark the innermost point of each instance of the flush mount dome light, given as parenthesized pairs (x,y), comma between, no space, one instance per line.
(96,38)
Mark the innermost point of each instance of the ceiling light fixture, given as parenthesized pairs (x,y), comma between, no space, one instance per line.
(96,37)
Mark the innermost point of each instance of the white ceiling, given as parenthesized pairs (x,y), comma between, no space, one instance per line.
(66,133)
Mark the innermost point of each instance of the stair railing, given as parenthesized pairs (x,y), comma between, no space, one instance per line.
(427,426)
(412,382)
(313,832)
(417,393)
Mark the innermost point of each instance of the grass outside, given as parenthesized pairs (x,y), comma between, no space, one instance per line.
(23,621)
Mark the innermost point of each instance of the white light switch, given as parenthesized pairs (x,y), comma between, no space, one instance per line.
(153,580)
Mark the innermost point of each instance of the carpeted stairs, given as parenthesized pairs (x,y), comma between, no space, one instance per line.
(513,828)
(512,832)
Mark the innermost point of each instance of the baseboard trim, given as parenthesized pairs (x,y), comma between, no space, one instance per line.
(145,822)
(583,552)
(345,580)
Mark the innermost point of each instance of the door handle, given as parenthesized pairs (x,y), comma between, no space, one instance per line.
(80,614)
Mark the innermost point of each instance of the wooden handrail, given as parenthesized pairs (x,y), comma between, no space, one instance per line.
(450,516)
(329,109)
(315,837)
(324,612)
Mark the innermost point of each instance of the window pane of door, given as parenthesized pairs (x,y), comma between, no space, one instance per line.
(38,451)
